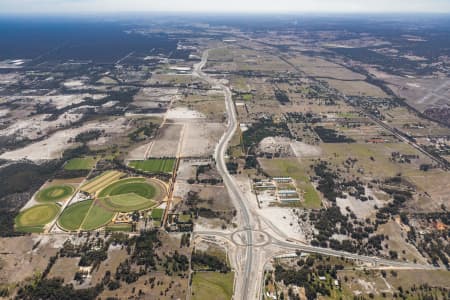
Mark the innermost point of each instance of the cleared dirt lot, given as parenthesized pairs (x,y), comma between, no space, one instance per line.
(139,152)
(187,168)
(200,139)
(167,142)
(183,113)
(292,147)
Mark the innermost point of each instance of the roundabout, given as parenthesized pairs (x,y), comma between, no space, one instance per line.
(259,238)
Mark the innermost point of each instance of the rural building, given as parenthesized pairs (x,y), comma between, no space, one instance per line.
(264,185)
(282,179)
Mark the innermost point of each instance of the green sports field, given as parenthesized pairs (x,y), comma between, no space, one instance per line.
(125,203)
(34,218)
(129,185)
(154,165)
(100,182)
(55,193)
(85,163)
(73,216)
(125,195)
(97,217)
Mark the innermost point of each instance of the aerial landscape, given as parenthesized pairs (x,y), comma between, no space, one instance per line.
(206,151)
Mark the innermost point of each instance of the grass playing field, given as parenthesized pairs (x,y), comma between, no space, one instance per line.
(128,195)
(101,181)
(73,216)
(97,217)
(154,165)
(125,203)
(55,193)
(129,185)
(34,218)
(125,195)
(85,163)
(206,284)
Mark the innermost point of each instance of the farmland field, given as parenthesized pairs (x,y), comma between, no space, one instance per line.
(97,217)
(73,216)
(100,182)
(55,193)
(80,164)
(205,284)
(34,218)
(154,165)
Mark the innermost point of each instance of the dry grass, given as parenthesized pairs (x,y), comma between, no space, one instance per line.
(356,88)
(317,67)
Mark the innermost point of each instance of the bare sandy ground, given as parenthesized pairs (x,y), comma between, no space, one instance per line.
(155,97)
(181,189)
(4,112)
(139,152)
(183,113)
(289,147)
(283,220)
(73,83)
(9,78)
(187,168)
(59,101)
(19,261)
(35,127)
(54,146)
(304,150)
(200,139)
(362,209)
(167,142)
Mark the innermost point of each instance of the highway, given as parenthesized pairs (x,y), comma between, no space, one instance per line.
(292,246)
(250,266)
(232,187)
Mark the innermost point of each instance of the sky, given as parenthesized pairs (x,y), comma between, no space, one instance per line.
(223,6)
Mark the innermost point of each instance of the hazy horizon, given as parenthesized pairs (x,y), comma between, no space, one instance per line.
(230,6)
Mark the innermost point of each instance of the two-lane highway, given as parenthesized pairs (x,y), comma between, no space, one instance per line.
(249,275)
(235,193)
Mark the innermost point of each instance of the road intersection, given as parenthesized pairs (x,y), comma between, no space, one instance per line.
(254,245)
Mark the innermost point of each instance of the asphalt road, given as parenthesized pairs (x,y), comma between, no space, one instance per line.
(247,282)
(230,184)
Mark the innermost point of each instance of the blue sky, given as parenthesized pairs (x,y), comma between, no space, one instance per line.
(261,6)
